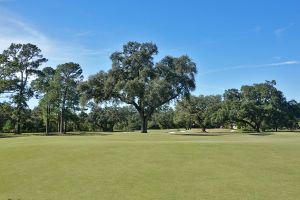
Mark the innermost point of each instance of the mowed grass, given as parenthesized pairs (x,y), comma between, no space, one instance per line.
(159,165)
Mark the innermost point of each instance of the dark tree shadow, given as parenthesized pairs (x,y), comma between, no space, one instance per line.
(54,134)
(11,136)
(260,134)
(202,134)
(78,134)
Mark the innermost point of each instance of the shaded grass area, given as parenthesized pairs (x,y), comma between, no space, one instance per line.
(151,166)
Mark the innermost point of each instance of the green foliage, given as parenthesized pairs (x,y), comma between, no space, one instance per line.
(110,118)
(105,118)
(163,118)
(201,110)
(183,114)
(292,114)
(228,113)
(18,64)
(44,86)
(66,81)
(135,79)
(8,127)
(259,106)
(6,111)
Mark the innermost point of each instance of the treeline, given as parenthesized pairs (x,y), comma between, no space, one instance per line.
(135,94)
(257,107)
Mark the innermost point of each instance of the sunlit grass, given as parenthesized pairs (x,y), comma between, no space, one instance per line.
(158,165)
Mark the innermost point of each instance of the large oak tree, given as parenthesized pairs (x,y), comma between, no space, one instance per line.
(258,106)
(136,80)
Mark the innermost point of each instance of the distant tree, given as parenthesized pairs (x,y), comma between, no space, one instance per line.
(105,118)
(33,120)
(164,117)
(18,64)
(8,126)
(43,84)
(6,121)
(66,81)
(292,115)
(135,79)
(203,109)
(276,110)
(183,116)
(129,119)
(258,106)
(228,113)
(256,101)
(83,123)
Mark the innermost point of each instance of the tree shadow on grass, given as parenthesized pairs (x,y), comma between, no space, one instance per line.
(260,134)
(78,134)
(54,134)
(268,133)
(12,136)
(201,134)
(287,131)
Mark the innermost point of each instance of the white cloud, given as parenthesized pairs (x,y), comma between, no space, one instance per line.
(279,31)
(290,62)
(16,31)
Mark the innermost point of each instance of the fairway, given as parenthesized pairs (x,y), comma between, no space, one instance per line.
(158,165)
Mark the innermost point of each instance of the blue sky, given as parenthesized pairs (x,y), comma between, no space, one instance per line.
(233,42)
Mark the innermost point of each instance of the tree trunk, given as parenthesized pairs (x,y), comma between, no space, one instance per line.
(204,129)
(62,113)
(47,119)
(190,125)
(276,128)
(65,126)
(19,105)
(111,127)
(58,123)
(18,122)
(61,121)
(18,126)
(144,124)
(257,128)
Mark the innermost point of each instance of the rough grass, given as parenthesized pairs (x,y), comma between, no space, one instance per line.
(159,165)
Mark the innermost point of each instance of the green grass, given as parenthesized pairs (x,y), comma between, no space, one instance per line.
(154,166)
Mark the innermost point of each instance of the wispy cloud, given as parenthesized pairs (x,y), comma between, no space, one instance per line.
(16,30)
(279,31)
(290,62)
